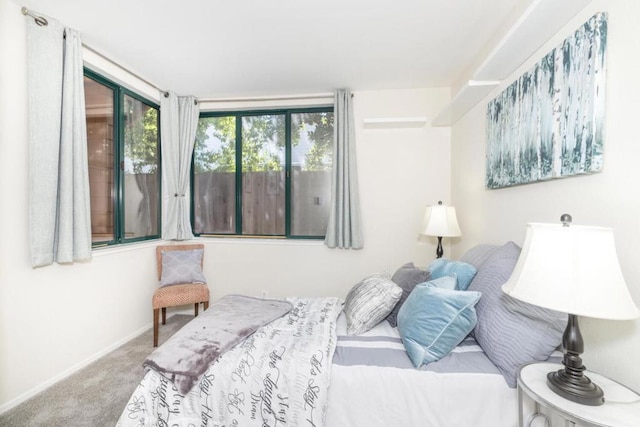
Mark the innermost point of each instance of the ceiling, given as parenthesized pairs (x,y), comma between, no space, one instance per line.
(237,48)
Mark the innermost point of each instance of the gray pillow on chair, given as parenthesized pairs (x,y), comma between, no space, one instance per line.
(511,332)
(182,267)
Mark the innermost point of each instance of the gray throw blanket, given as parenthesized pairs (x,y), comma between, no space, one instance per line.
(184,357)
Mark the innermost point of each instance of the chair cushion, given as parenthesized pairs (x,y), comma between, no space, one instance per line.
(173,295)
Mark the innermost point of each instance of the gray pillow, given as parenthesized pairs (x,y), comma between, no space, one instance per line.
(478,254)
(511,332)
(407,277)
(369,302)
(182,267)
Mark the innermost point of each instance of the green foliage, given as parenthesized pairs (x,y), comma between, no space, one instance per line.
(318,158)
(263,142)
(259,135)
(209,160)
(140,137)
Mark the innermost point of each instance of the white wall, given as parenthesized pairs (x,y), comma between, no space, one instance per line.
(57,318)
(400,171)
(609,198)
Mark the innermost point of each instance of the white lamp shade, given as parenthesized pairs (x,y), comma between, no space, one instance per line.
(441,221)
(572,269)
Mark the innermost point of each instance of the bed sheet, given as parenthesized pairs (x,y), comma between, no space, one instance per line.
(277,376)
(373,383)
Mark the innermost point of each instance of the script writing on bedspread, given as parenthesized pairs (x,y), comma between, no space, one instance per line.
(278,376)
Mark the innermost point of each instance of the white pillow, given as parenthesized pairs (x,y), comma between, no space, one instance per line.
(369,302)
(182,267)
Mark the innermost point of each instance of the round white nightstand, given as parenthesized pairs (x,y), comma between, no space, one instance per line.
(620,409)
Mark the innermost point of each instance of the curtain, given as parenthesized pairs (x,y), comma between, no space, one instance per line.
(59,209)
(144,222)
(344,229)
(178,124)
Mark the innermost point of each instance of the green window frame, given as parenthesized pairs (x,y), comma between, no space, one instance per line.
(133,165)
(295,147)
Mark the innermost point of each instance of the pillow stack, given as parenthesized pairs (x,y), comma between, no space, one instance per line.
(431,308)
(435,309)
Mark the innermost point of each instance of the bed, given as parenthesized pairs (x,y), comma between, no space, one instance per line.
(308,368)
(372,370)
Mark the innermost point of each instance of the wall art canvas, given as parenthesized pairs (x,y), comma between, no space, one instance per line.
(549,122)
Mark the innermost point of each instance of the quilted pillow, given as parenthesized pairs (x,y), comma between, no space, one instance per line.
(511,332)
(407,277)
(369,302)
(182,267)
(433,320)
(464,272)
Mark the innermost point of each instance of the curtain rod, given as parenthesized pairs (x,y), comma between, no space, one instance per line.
(41,21)
(112,62)
(270,98)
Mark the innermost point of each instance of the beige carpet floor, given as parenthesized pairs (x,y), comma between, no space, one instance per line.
(96,395)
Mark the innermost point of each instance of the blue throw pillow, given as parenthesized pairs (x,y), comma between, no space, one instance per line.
(444,282)
(444,267)
(434,320)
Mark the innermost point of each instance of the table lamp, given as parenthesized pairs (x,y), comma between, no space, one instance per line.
(572,269)
(440,221)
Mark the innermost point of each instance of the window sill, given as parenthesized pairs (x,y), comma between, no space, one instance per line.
(210,239)
(259,240)
(124,247)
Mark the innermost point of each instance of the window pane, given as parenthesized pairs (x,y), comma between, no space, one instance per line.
(214,187)
(141,171)
(263,174)
(100,148)
(311,164)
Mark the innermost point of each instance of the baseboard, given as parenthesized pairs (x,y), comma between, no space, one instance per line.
(30,393)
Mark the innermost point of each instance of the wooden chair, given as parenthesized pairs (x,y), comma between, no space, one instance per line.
(178,294)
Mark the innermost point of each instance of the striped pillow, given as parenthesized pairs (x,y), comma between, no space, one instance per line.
(369,302)
(511,332)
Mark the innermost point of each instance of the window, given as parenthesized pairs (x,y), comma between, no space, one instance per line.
(124,162)
(265,173)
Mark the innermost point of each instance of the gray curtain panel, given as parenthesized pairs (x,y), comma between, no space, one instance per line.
(178,124)
(344,229)
(59,199)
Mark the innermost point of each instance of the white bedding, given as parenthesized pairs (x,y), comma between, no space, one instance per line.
(382,396)
(278,376)
(372,382)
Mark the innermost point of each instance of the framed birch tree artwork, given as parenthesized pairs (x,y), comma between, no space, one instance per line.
(549,122)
